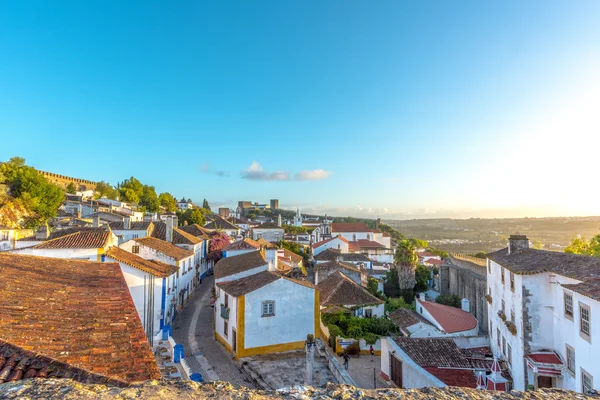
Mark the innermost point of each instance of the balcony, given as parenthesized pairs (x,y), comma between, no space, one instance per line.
(224,312)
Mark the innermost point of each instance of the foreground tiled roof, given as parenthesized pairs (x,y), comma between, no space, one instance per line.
(135,225)
(451,319)
(76,312)
(17,363)
(84,239)
(179,236)
(433,352)
(339,290)
(153,267)
(232,265)
(166,248)
(349,227)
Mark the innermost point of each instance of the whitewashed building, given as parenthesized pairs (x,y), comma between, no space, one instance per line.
(544,310)
(338,243)
(269,231)
(127,230)
(450,321)
(340,291)
(264,312)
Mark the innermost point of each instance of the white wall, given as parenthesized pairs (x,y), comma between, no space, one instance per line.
(77,254)
(232,253)
(337,244)
(220,322)
(242,274)
(270,235)
(127,234)
(425,314)
(294,314)
(413,376)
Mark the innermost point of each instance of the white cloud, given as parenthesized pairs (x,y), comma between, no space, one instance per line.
(314,175)
(255,172)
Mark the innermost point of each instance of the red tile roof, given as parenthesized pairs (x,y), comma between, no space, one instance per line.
(76,312)
(244,244)
(232,265)
(434,261)
(153,267)
(349,227)
(197,230)
(297,259)
(353,246)
(369,244)
(451,319)
(266,243)
(84,239)
(17,363)
(179,236)
(166,248)
(545,357)
(339,290)
(454,377)
(322,242)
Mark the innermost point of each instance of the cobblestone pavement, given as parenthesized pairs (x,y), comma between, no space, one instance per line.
(194,329)
(361,370)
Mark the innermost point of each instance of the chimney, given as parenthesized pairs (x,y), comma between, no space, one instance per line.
(517,243)
(175,222)
(422,296)
(126,223)
(465,305)
(42,233)
(96,221)
(169,231)
(279,220)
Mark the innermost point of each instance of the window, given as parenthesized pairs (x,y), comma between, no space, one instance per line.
(368,313)
(512,315)
(135,249)
(509,355)
(504,346)
(135,236)
(499,337)
(584,321)
(268,308)
(571,360)
(226,300)
(225,328)
(4,235)
(512,282)
(502,275)
(587,381)
(568,301)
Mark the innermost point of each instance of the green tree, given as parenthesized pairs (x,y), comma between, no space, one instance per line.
(481,254)
(392,304)
(449,300)
(35,192)
(205,205)
(168,201)
(71,188)
(419,243)
(149,199)
(405,253)
(131,190)
(104,189)
(422,278)
(582,246)
(192,216)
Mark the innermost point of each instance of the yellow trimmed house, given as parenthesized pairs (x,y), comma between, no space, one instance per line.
(264,313)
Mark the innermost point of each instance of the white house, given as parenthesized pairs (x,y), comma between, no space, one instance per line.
(269,231)
(10,236)
(543,309)
(152,285)
(240,247)
(338,243)
(356,273)
(220,224)
(74,243)
(451,321)
(127,230)
(264,313)
(340,291)
(184,205)
(159,250)
(241,266)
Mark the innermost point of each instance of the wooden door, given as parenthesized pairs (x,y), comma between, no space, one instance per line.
(544,382)
(396,373)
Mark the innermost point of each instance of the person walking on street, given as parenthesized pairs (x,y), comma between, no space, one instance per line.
(372,351)
(346,359)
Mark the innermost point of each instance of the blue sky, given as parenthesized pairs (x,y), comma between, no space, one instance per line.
(392,109)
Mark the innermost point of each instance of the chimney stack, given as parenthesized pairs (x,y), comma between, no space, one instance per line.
(126,223)
(169,231)
(422,296)
(517,243)
(175,222)
(42,233)
(96,221)
(465,305)
(279,220)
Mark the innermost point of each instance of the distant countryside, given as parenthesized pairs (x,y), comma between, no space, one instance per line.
(476,234)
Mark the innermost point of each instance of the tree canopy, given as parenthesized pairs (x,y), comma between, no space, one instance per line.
(405,253)
(218,242)
(192,216)
(422,277)
(131,190)
(104,189)
(149,200)
(167,201)
(71,188)
(584,247)
(32,189)
(205,205)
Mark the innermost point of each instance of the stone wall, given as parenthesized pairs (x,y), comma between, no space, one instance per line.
(63,181)
(465,278)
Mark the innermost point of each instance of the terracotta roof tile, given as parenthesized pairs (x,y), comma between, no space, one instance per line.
(179,236)
(17,363)
(451,319)
(197,230)
(83,239)
(153,267)
(322,242)
(433,352)
(369,244)
(135,225)
(266,243)
(232,265)
(76,312)
(339,290)
(337,264)
(240,287)
(244,244)
(220,224)
(293,256)
(404,318)
(166,248)
(269,225)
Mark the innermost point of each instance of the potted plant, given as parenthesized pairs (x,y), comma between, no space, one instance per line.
(502,315)
(511,327)
(488,297)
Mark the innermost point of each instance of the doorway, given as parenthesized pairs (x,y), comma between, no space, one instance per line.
(544,382)
(396,373)
(233,340)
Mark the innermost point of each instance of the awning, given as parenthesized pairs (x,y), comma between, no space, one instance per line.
(545,363)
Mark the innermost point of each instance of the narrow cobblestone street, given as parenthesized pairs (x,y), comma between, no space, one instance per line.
(194,329)
(361,370)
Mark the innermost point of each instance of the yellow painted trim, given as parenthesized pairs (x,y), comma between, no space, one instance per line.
(99,252)
(317,329)
(276,348)
(223,342)
(241,325)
